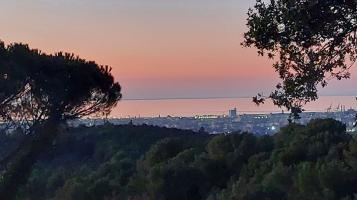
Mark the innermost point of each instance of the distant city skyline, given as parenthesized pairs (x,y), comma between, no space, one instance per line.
(181,107)
(157,48)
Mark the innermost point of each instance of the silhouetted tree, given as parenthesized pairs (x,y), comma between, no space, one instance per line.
(41,91)
(314,42)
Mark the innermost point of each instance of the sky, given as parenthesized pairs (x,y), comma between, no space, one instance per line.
(157,48)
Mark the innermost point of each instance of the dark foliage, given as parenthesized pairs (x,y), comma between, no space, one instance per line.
(314,41)
(316,161)
(39,92)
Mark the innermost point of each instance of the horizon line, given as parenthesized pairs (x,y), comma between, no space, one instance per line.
(203,98)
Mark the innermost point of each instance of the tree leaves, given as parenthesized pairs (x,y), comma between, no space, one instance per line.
(313,41)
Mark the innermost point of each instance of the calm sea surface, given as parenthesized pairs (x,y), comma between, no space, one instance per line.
(218,106)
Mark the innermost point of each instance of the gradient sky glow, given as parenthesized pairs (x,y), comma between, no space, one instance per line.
(157,48)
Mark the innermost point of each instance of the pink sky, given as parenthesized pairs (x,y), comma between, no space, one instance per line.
(157,48)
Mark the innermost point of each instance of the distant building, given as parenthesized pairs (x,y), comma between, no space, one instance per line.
(232,113)
(206,117)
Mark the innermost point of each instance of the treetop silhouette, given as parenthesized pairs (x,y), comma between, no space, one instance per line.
(313,41)
(38,92)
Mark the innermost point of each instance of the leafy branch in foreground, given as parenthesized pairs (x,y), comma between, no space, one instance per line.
(314,41)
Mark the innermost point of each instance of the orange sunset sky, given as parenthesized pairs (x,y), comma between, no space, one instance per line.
(157,48)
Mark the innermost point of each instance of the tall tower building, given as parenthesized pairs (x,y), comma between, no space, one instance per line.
(232,113)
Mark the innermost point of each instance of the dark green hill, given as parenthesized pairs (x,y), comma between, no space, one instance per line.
(316,161)
(91,154)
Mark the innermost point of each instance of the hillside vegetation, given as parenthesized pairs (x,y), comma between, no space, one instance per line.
(316,161)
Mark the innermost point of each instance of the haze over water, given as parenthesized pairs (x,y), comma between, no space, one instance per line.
(217,106)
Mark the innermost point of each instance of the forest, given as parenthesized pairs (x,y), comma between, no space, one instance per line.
(111,162)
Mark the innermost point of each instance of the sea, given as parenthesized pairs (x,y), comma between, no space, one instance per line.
(130,108)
